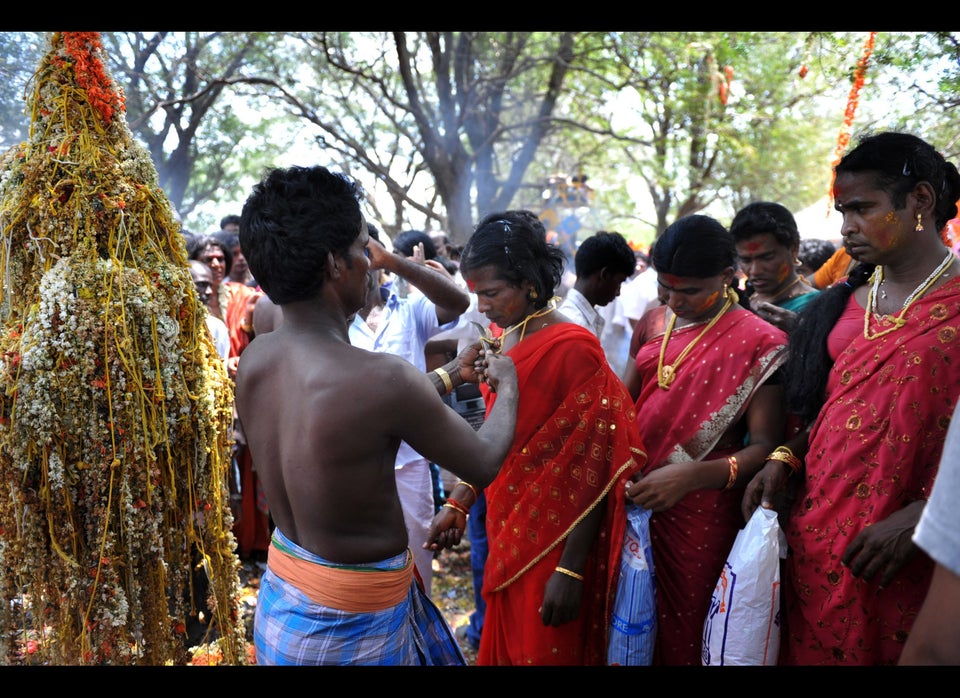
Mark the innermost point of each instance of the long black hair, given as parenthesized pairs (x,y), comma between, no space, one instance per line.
(808,363)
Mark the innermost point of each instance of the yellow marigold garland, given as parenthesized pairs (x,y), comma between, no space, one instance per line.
(115,409)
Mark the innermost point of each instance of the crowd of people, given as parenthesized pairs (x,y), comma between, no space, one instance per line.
(733,367)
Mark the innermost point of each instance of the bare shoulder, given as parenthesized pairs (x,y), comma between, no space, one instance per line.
(388,369)
(266,316)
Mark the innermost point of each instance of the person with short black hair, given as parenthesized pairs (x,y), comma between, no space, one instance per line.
(239,269)
(402,325)
(230,222)
(603,262)
(813,254)
(768,242)
(324,420)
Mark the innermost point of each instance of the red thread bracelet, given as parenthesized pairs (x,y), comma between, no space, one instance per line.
(454,504)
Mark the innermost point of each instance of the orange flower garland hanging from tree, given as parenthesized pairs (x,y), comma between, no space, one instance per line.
(843,140)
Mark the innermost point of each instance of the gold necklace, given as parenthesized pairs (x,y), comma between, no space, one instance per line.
(899,320)
(522,325)
(784,292)
(667,374)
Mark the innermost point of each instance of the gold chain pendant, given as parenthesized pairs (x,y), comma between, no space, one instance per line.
(667,375)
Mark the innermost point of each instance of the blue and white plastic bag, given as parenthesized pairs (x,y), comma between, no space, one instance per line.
(633,627)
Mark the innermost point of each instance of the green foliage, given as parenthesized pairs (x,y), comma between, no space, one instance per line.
(20,54)
(442,127)
(184,101)
(668,126)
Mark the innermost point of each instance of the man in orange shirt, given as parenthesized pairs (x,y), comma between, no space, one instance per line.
(832,270)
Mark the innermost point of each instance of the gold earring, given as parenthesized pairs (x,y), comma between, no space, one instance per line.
(533,295)
(919,227)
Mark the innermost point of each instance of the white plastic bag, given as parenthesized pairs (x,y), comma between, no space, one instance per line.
(742,627)
(634,623)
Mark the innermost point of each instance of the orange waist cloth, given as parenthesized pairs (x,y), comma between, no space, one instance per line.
(346,589)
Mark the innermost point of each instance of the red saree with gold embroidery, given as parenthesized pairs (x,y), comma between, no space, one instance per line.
(874,448)
(575,444)
(690,422)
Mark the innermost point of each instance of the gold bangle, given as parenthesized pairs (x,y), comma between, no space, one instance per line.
(476,493)
(732,460)
(569,573)
(445,377)
(785,455)
(452,503)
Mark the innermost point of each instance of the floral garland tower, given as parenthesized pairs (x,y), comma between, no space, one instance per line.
(115,410)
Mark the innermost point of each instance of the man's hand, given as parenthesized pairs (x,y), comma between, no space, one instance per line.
(248,308)
(775,315)
(467,361)
(561,600)
(885,546)
(378,254)
(495,368)
(663,487)
(437,267)
(418,254)
(760,491)
(446,529)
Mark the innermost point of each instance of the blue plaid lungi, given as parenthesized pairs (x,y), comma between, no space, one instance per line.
(290,628)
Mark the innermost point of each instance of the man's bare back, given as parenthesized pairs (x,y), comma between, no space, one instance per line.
(324,420)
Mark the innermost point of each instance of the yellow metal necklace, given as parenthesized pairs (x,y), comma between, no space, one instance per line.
(667,374)
(899,320)
(495,344)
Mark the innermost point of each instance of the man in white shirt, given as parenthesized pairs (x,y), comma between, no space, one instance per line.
(639,293)
(402,325)
(202,281)
(603,262)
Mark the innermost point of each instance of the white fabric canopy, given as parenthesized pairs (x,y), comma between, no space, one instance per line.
(819,221)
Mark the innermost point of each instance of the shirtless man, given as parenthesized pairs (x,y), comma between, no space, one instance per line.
(324,420)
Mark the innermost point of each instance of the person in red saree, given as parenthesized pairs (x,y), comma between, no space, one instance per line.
(873,370)
(556,511)
(709,409)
